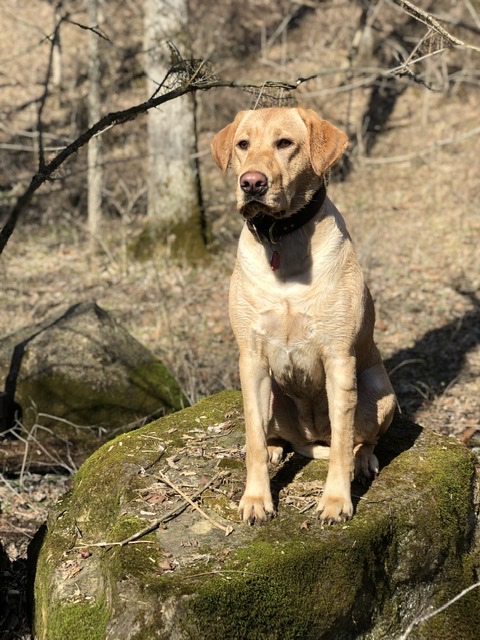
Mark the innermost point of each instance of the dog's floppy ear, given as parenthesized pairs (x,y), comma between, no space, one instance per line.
(327,143)
(222,143)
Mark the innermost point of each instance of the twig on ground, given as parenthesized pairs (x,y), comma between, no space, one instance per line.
(473,12)
(29,439)
(307,507)
(19,495)
(165,518)
(228,530)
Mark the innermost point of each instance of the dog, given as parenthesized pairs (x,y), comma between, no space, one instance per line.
(310,371)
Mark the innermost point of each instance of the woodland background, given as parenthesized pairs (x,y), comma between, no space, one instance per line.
(406,93)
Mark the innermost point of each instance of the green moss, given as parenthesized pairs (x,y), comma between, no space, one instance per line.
(81,621)
(151,389)
(231,463)
(155,381)
(110,462)
(453,493)
(441,520)
(263,609)
(265,586)
(95,508)
(209,411)
(87,618)
(132,559)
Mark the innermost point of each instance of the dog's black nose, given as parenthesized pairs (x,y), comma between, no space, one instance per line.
(254,183)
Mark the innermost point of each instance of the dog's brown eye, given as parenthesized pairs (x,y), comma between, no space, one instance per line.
(242,144)
(283,143)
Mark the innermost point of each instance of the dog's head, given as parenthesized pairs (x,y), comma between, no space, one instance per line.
(280,156)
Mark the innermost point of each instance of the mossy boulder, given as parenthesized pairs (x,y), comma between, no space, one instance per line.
(74,381)
(409,546)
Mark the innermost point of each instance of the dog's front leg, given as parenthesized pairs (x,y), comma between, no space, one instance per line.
(335,505)
(256,504)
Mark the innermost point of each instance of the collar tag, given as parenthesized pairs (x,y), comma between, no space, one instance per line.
(275,261)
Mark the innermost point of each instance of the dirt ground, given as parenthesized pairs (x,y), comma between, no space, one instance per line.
(412,207)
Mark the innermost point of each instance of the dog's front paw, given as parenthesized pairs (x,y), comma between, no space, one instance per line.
(332,509)
(256,509)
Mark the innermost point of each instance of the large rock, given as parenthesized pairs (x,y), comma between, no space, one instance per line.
(410,544)
(78,379)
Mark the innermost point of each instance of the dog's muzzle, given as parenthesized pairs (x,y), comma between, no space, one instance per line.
(252,208)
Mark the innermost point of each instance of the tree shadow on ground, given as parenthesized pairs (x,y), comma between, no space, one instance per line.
(425,371)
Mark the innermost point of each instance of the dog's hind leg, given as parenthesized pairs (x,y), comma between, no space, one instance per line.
(366,462)
(375,409)
(276,449)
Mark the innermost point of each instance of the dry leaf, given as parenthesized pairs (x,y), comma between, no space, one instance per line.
(155,498)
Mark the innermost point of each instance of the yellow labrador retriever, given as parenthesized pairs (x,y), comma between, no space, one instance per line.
(302,315)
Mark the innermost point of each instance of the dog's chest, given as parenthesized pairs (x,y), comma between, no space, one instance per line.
(291,342)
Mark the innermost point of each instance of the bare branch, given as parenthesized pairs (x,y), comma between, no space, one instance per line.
(113,119)
(423,16)
(156,523)
(54,38)
(95,29)
(473,13)
(407,157)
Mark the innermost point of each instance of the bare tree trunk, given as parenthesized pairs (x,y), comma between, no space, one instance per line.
(95,174)
(174,197)
(57,53)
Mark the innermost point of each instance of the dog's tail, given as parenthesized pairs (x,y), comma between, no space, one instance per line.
(316,451)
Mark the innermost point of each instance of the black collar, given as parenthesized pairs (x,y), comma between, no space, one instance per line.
(272,230)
